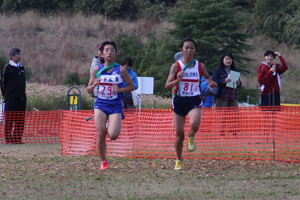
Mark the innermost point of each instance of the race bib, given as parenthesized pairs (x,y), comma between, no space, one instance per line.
(107,92)
(189,89)
(106,82)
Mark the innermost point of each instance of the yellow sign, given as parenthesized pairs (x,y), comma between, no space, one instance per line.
(289,104)
(73,100)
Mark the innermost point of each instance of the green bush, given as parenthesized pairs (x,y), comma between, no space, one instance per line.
(89,7)
(41,6)
(252,96)
(84,79)
(72,79)
(113,9)
(151,59)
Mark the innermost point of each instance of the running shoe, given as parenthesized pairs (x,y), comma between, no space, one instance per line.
(104,165)
(178,165)
(191,143)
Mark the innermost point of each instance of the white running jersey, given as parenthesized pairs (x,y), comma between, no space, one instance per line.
(189,84)
(106,82)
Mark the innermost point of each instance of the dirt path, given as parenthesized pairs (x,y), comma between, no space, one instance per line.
(29,150)
(38,171)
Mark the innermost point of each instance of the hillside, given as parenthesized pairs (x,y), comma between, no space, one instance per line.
(54,46)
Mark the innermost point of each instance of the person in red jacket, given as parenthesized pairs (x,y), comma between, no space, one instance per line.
(268,76)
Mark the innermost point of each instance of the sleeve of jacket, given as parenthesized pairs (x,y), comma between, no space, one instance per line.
(217,77)
(283,67)
(203,87)
(4,80)
(135,81)
(263,77)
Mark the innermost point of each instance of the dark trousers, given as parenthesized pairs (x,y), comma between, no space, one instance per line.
(267,99)
(14,120)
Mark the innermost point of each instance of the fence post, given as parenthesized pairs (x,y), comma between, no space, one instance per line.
(273,123)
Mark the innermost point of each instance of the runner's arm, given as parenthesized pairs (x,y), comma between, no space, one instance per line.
(173,74)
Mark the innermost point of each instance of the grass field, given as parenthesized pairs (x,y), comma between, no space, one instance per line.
(38,171)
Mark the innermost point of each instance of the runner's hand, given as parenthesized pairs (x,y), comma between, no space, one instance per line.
(180,75)
(96,82)
(116,88)
(277,54)
(213,84)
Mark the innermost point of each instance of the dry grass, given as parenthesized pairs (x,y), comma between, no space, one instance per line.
(53,46)
(49,97)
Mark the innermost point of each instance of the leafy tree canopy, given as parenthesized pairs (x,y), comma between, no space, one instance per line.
(150,59)
(215,25)
(278,19)
(113,9)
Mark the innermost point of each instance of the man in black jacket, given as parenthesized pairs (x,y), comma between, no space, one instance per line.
(13,90)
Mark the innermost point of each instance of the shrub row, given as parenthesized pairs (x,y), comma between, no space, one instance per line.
(113,9)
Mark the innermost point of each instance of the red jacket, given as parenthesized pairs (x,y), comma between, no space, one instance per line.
(269,80)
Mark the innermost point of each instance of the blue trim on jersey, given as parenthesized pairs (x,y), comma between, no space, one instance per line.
(115,70)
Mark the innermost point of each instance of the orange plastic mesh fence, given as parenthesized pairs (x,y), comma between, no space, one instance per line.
(30,127)
(244,133)
(225,133)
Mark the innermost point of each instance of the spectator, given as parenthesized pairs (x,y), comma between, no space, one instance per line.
(226,97)
(268,76)
(128,102)
(207,101)
(13,87)
(178,56)
(97,60)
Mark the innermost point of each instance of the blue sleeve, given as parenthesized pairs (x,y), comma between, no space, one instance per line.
(204,85)
(219,77)
(135,81)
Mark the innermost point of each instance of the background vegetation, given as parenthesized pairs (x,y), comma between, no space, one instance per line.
(58,39)
(57,97)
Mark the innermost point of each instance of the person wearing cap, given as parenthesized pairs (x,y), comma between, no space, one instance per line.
(97,60)
(13,88)
(268,76)
(178,56)
(185,77)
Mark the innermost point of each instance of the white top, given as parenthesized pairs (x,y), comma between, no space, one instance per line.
(189,84)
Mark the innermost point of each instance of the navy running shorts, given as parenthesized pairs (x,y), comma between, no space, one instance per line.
(109,107)
(183,105)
